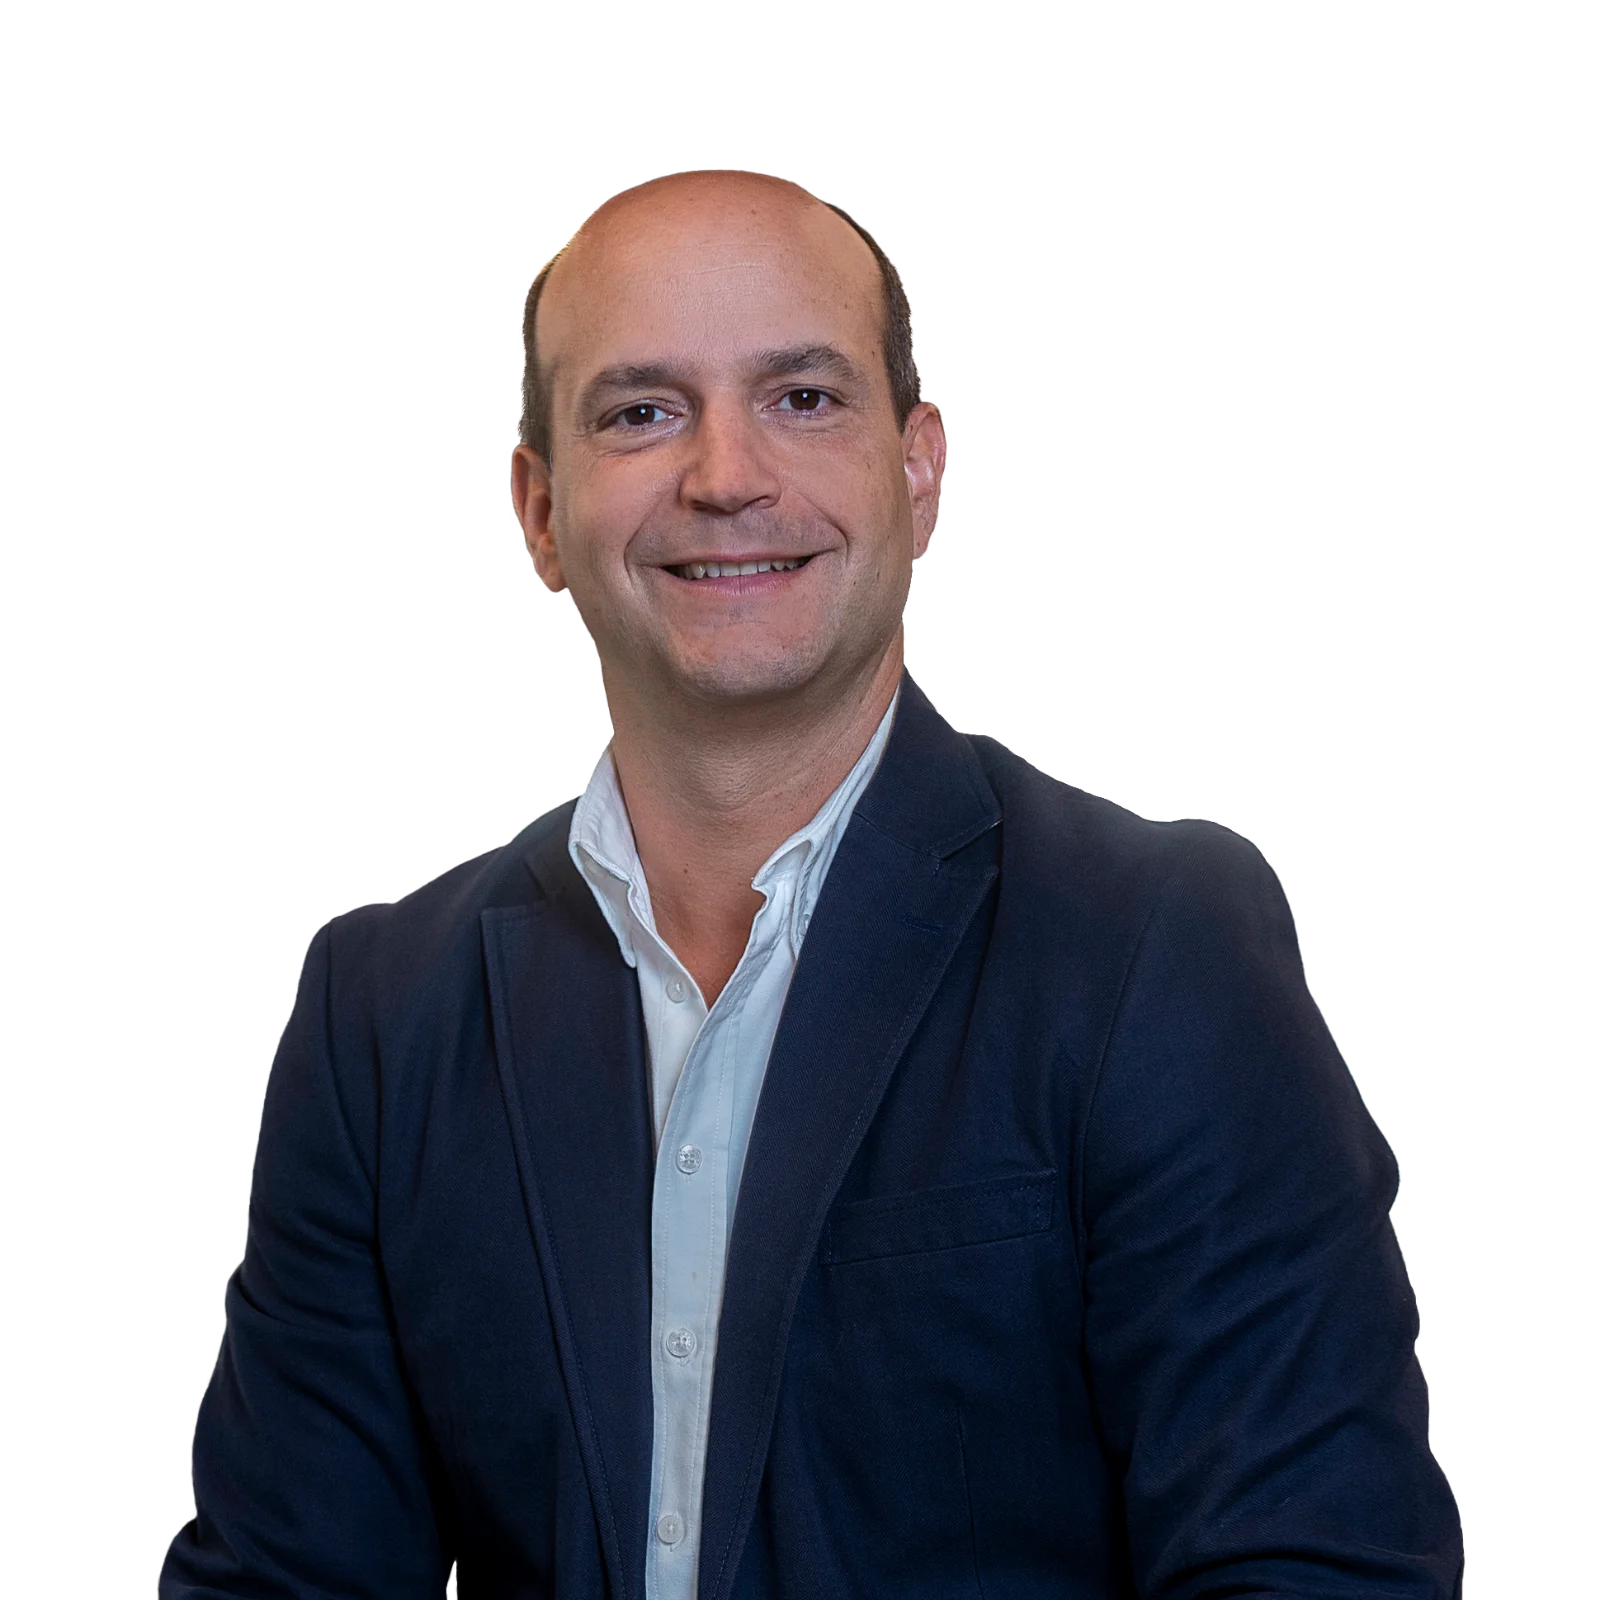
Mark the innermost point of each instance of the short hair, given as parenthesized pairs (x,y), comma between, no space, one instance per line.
(905,388)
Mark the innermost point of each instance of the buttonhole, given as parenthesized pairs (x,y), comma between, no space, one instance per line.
(927,927)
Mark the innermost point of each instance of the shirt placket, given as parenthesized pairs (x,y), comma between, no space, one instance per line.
(690,1228)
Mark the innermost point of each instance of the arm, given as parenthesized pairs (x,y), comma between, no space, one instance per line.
(310,1472)
(1249,1322)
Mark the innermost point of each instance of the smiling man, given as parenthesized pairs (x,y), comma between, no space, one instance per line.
(829,1157)
(721,468)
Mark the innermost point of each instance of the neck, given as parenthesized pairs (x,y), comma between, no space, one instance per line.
(713,790)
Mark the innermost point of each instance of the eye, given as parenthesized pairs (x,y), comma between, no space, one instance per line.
(642,415)
(805,400)
(636,418)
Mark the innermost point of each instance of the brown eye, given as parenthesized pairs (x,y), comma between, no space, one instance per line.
(811,400)
(640,416)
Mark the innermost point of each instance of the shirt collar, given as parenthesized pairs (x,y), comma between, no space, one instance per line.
(601,844)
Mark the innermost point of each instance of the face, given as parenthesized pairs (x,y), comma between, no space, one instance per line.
(730,499)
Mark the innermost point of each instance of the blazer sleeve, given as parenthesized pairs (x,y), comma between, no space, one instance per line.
(1249,1325)
(311,1475)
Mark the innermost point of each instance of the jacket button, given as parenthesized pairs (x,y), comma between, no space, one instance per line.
(669,1529)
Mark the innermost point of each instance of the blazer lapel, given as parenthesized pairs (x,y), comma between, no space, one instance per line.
(569,1041)
(888,921)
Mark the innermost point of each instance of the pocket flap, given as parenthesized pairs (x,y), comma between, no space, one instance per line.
(939,1219)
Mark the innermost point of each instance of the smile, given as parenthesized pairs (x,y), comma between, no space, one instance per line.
(736,583)
(698,572)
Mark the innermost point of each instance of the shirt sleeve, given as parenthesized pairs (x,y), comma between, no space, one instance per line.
(311,1470)
(1249,1324)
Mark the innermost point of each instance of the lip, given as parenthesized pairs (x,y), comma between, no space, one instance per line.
(743,583)
(734,582)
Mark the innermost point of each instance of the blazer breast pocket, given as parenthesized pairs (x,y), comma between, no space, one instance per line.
(939,1219)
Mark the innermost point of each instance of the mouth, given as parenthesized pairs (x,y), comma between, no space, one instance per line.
(768,576)
(698,572)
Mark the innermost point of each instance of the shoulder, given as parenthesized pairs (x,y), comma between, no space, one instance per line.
(421,927)
(1098,852)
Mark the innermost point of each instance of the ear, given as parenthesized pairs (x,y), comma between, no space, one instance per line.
(530,499)
(927,452)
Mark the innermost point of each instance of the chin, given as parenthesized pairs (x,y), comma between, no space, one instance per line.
(732,680)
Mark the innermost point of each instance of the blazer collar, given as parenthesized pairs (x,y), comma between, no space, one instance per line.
(570,1049)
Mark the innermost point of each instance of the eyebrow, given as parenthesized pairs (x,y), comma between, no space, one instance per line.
(823,360)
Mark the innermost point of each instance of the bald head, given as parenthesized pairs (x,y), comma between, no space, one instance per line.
(698,221)
(712,191)
(718,216)
(699,205)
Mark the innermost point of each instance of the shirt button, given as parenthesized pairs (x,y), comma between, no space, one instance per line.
(689,1159)
(669,1529)
(680,1343)
(677,993)
(805,923)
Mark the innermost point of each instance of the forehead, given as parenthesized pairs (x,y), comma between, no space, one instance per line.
(706,279)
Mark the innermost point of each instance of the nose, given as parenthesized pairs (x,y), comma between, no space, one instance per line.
(729,468)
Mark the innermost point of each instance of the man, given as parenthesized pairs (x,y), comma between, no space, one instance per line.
(830,1158)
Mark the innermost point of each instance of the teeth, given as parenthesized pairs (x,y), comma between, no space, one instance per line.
(736,569)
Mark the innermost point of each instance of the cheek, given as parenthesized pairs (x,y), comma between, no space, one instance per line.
(595,515)
(588,535)
(862,493)
(883,509)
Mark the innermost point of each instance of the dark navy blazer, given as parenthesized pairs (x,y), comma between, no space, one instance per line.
(1061,1267)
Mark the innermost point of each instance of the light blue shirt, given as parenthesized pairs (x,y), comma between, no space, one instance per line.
(706,1068)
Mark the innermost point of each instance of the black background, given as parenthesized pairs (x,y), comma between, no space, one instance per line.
(1184,564)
